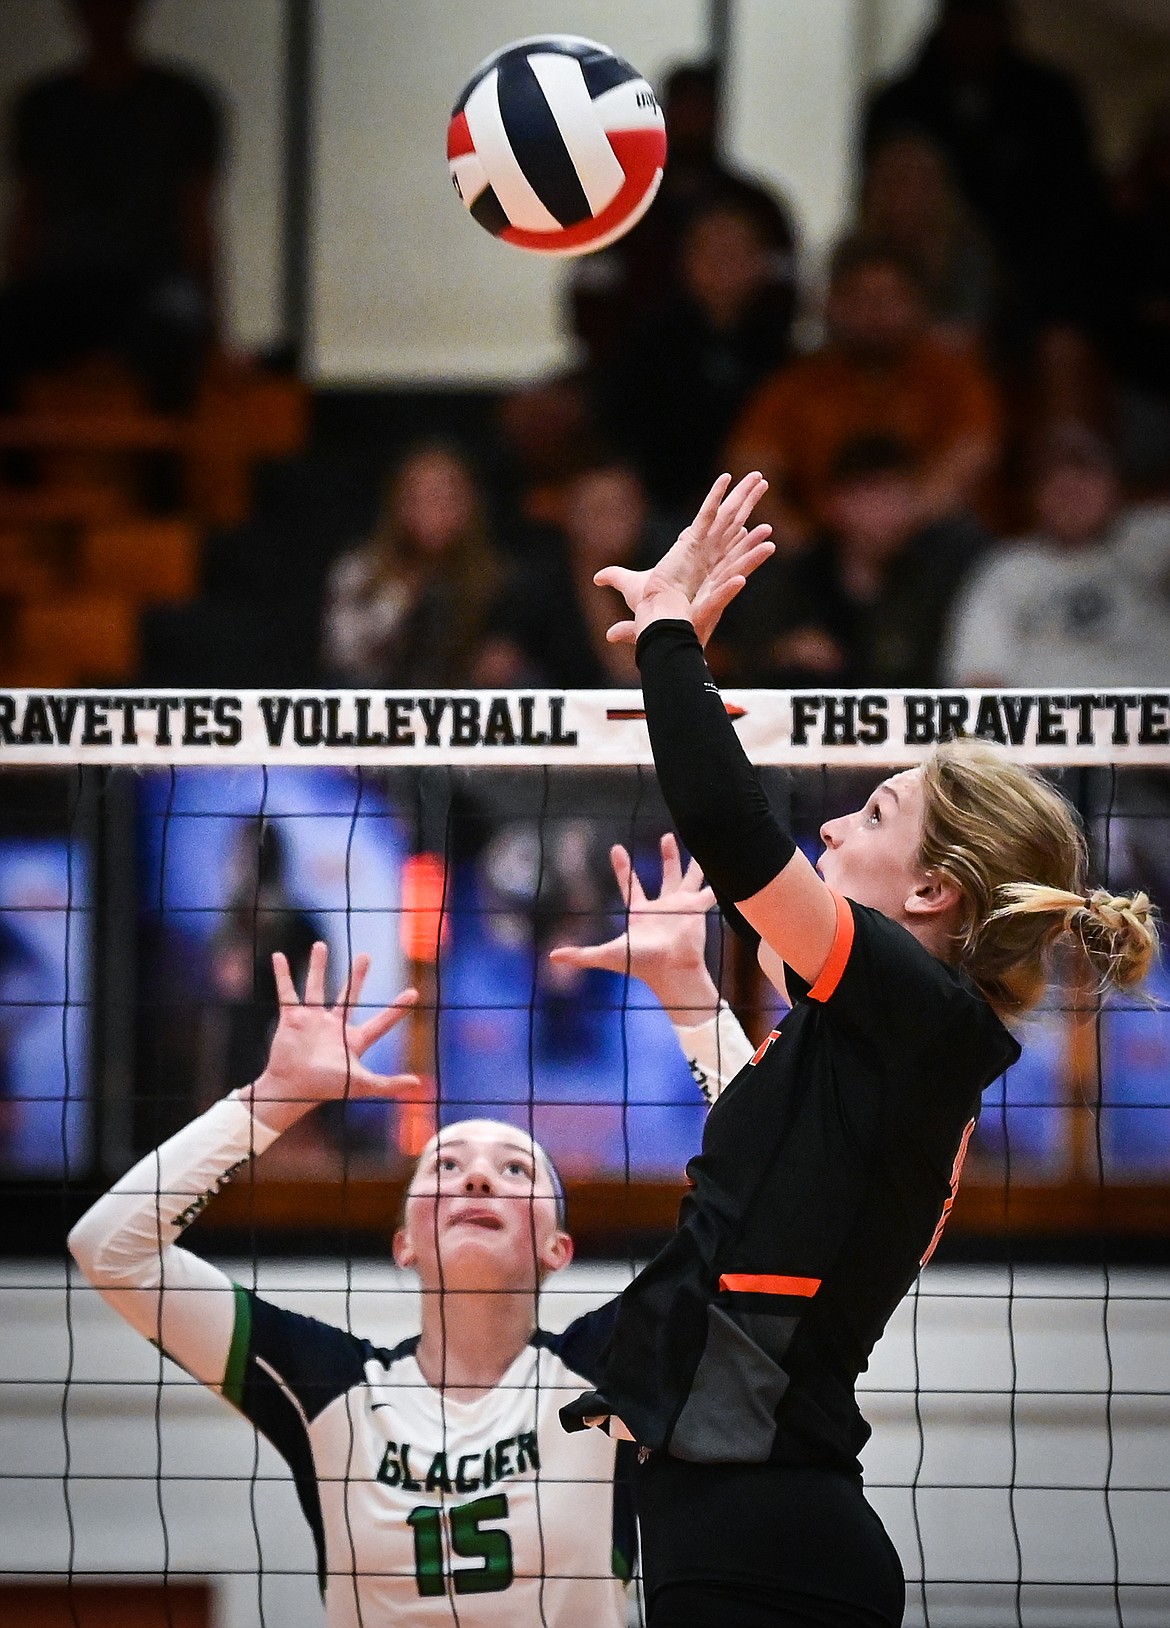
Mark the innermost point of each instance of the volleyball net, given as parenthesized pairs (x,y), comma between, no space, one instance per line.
(155,849)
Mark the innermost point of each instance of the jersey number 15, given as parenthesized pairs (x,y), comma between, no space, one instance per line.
(469,1540)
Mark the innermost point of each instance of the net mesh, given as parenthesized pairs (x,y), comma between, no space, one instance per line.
(1020,1398)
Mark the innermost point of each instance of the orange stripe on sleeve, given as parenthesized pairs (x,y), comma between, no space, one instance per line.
(768,1283)
(839,954)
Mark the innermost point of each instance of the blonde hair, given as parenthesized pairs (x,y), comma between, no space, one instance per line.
(1015,849)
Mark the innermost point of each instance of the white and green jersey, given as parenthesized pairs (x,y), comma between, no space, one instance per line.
(487,1506)
(422,1509)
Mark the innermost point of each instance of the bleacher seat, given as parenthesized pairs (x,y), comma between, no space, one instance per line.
(80,637)
(150,561)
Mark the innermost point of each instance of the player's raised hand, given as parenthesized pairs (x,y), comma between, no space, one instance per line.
(665,940)
(707,565)
(316,1052)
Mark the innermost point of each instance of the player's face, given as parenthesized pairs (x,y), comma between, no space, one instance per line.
(481,1213)
(872,856)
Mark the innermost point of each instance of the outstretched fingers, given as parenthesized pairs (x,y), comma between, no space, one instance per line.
(711,504)
(362,1036)
(693,879)
(741,500)
(350,997)
(315,977)
(717,598)
(286,990)
(627,583)
(629,886)
(382,1085)
(613,956)
(672,877)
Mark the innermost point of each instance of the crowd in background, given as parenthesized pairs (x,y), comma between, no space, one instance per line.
(967,433)
(964,417)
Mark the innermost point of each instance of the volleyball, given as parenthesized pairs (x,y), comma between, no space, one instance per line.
(556,145)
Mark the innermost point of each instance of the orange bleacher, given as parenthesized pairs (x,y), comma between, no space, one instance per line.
(79,555)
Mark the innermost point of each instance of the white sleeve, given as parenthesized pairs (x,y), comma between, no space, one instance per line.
(127,1243)
(715,1051)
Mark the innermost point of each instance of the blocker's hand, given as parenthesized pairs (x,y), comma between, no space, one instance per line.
(708,564)
(316,1052)
(665,940)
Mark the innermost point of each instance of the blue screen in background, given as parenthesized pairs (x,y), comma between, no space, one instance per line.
(607,1089)
(590,1066)
(45,991)
(342,850)
(1135,1070)
(1027,1125)
(1023,1124)
(590,1062)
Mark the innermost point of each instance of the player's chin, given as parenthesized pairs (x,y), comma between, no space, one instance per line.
(484,1252)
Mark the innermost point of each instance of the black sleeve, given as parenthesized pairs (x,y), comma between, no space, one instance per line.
(283,1370)
(584,1344)
(313,1361)
(713,793)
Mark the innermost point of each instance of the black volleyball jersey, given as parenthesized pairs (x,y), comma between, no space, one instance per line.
(828,1168)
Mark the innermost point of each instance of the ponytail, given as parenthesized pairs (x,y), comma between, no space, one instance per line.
(1116,932)
(1015,849)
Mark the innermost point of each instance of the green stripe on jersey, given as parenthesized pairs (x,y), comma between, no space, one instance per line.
(233,1377)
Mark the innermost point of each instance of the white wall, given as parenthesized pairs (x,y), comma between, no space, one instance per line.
(406,287)
(794,79)
(240,47)
(226,1501)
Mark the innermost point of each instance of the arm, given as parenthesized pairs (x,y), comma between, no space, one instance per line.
(664,945)
(711,789)
(127,1243)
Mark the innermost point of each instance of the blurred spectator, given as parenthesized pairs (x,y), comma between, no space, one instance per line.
(1083,600)
(548,436)
(1017,134)
(409,607)
(679,380)
(110,246)
(868,601)
(611,289)
(909,201)
(1141,303)
(880,372)
(549,625)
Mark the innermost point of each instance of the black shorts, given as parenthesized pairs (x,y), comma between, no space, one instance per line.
(763,1546)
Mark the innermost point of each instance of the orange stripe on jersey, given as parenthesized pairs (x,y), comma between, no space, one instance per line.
(956,1175)
(831,972)
(768,1283)
(762,1048)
